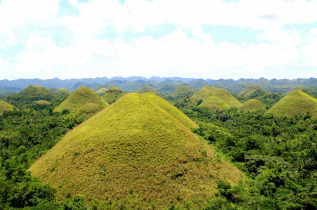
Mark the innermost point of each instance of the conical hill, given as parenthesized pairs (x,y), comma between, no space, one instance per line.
(214,103)
(183,91)
(252,91)
(252,105)
(102,91)
(113,94)
(31,94)
(138,152)
(4,106)
(148,89)
(224,95)
(78,98)
(295,103)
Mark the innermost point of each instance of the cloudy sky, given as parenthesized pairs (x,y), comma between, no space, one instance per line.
(187,38)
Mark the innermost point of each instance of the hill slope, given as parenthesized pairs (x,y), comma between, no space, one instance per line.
(148,89)
(214,103)
(4,106)
(224,95)
(78,98)
(102,91)
(252,105)
(296,102)
(183,91)
(138,152)
(113,94)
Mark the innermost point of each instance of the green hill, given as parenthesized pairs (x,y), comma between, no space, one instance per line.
(252,105)
(252,91)
(42,102)
(113,95)
(102,91)
(4,106)
(137,155)
(30,95)
(183,91)
(214,103)
(78,98)
(295,103)
(63,90)
(148,89)
(224,95)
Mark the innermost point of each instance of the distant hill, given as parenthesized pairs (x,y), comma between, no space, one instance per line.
(252,91)
(102,91)
(252,105)
(4,106)
(42,102)
(183,91)
(222,94)
(295,103)
(79,98)
(214,103)
(113,95)
(30,95)
(148,89)
(136,150)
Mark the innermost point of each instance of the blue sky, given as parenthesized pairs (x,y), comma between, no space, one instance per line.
(200,39)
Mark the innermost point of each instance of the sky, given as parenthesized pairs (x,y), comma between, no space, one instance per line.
(168,38)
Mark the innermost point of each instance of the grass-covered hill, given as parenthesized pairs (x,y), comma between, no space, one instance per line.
(42,102)
(252,91)
(135,154)
(252,105)
(214,103)
(295,103)
(224,95)
(148,89)
(102,91)
(31,94)
(183,91)
(113,94)
(4,106)
(78,98)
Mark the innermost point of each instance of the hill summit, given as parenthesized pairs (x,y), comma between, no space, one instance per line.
(252,91)
(78,98)
(113,94)
(252,105)
(4,106)
(148,89)
(295,103)
(31,94)
(139,151)
(182,91)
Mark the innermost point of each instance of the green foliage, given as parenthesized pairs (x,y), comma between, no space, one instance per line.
(148,89)
(252,91)
(183,91)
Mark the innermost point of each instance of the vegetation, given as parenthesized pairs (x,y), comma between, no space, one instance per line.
(140,153)
(148,89)
(102,91)
(5,107)
(113,95)
(78,98)
(252,105)
(252,91)
(295,103)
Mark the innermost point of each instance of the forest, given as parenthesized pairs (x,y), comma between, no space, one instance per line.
(277,154)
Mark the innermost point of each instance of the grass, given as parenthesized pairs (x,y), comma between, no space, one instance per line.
(136,150)
(295,103)
(214,103)
(183,91)
(113,95)
(42,102)
(222,94)
(78,98)
(63,90)
(4,106)
(148,89)
(252,105)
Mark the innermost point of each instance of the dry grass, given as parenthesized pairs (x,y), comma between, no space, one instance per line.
(139,151)
(252,105)
(4,106)
(214,103)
